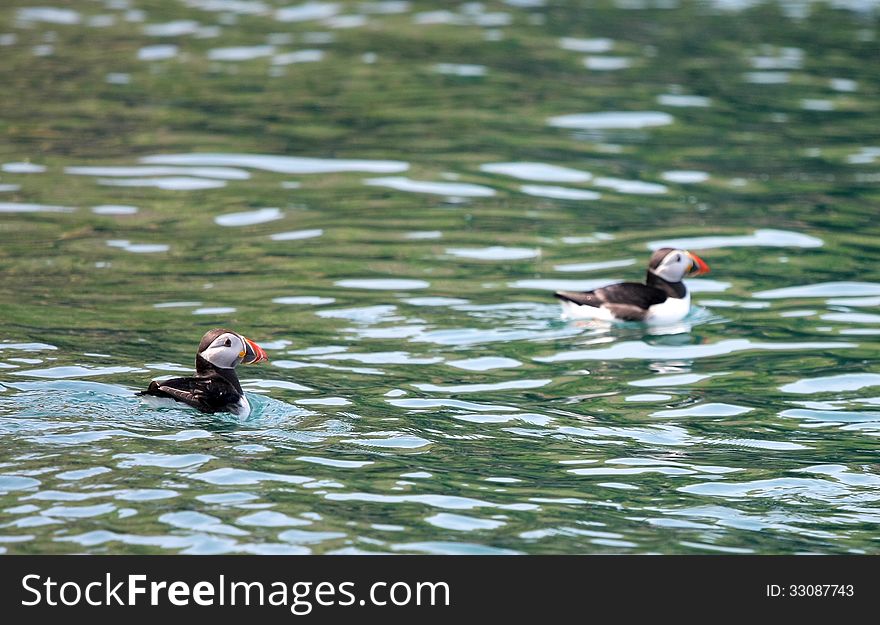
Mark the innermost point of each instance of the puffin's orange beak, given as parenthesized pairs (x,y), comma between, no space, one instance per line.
(252,353)
(699,267)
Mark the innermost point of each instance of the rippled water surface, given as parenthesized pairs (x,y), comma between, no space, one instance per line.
(383,194)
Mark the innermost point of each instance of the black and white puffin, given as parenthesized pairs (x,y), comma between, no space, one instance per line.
(215,387)
(663,298)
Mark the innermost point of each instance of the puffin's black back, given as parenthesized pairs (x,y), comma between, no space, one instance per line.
(210,394)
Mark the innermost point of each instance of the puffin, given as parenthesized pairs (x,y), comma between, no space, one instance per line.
(663,298)
(215,387)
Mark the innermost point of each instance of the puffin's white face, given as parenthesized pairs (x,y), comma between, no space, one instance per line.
(226,351)
(679,263)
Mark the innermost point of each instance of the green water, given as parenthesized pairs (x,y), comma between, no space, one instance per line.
(423,394)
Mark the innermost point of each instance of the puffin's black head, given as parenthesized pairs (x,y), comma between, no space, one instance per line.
(226,349)
(673,265)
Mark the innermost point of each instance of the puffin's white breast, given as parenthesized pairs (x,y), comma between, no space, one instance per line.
(672,310)
(241,408)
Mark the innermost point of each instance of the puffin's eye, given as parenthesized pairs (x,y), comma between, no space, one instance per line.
(228,343)
(678,258)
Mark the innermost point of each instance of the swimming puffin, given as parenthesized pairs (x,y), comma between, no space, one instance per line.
(662,299)
(215,387)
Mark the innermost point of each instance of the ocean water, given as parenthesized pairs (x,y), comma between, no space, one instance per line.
(384,195)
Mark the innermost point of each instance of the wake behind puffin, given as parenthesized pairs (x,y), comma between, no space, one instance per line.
(663,299)
(215,387)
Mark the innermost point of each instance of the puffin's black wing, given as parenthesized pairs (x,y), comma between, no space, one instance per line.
(628,301)
(208,394)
